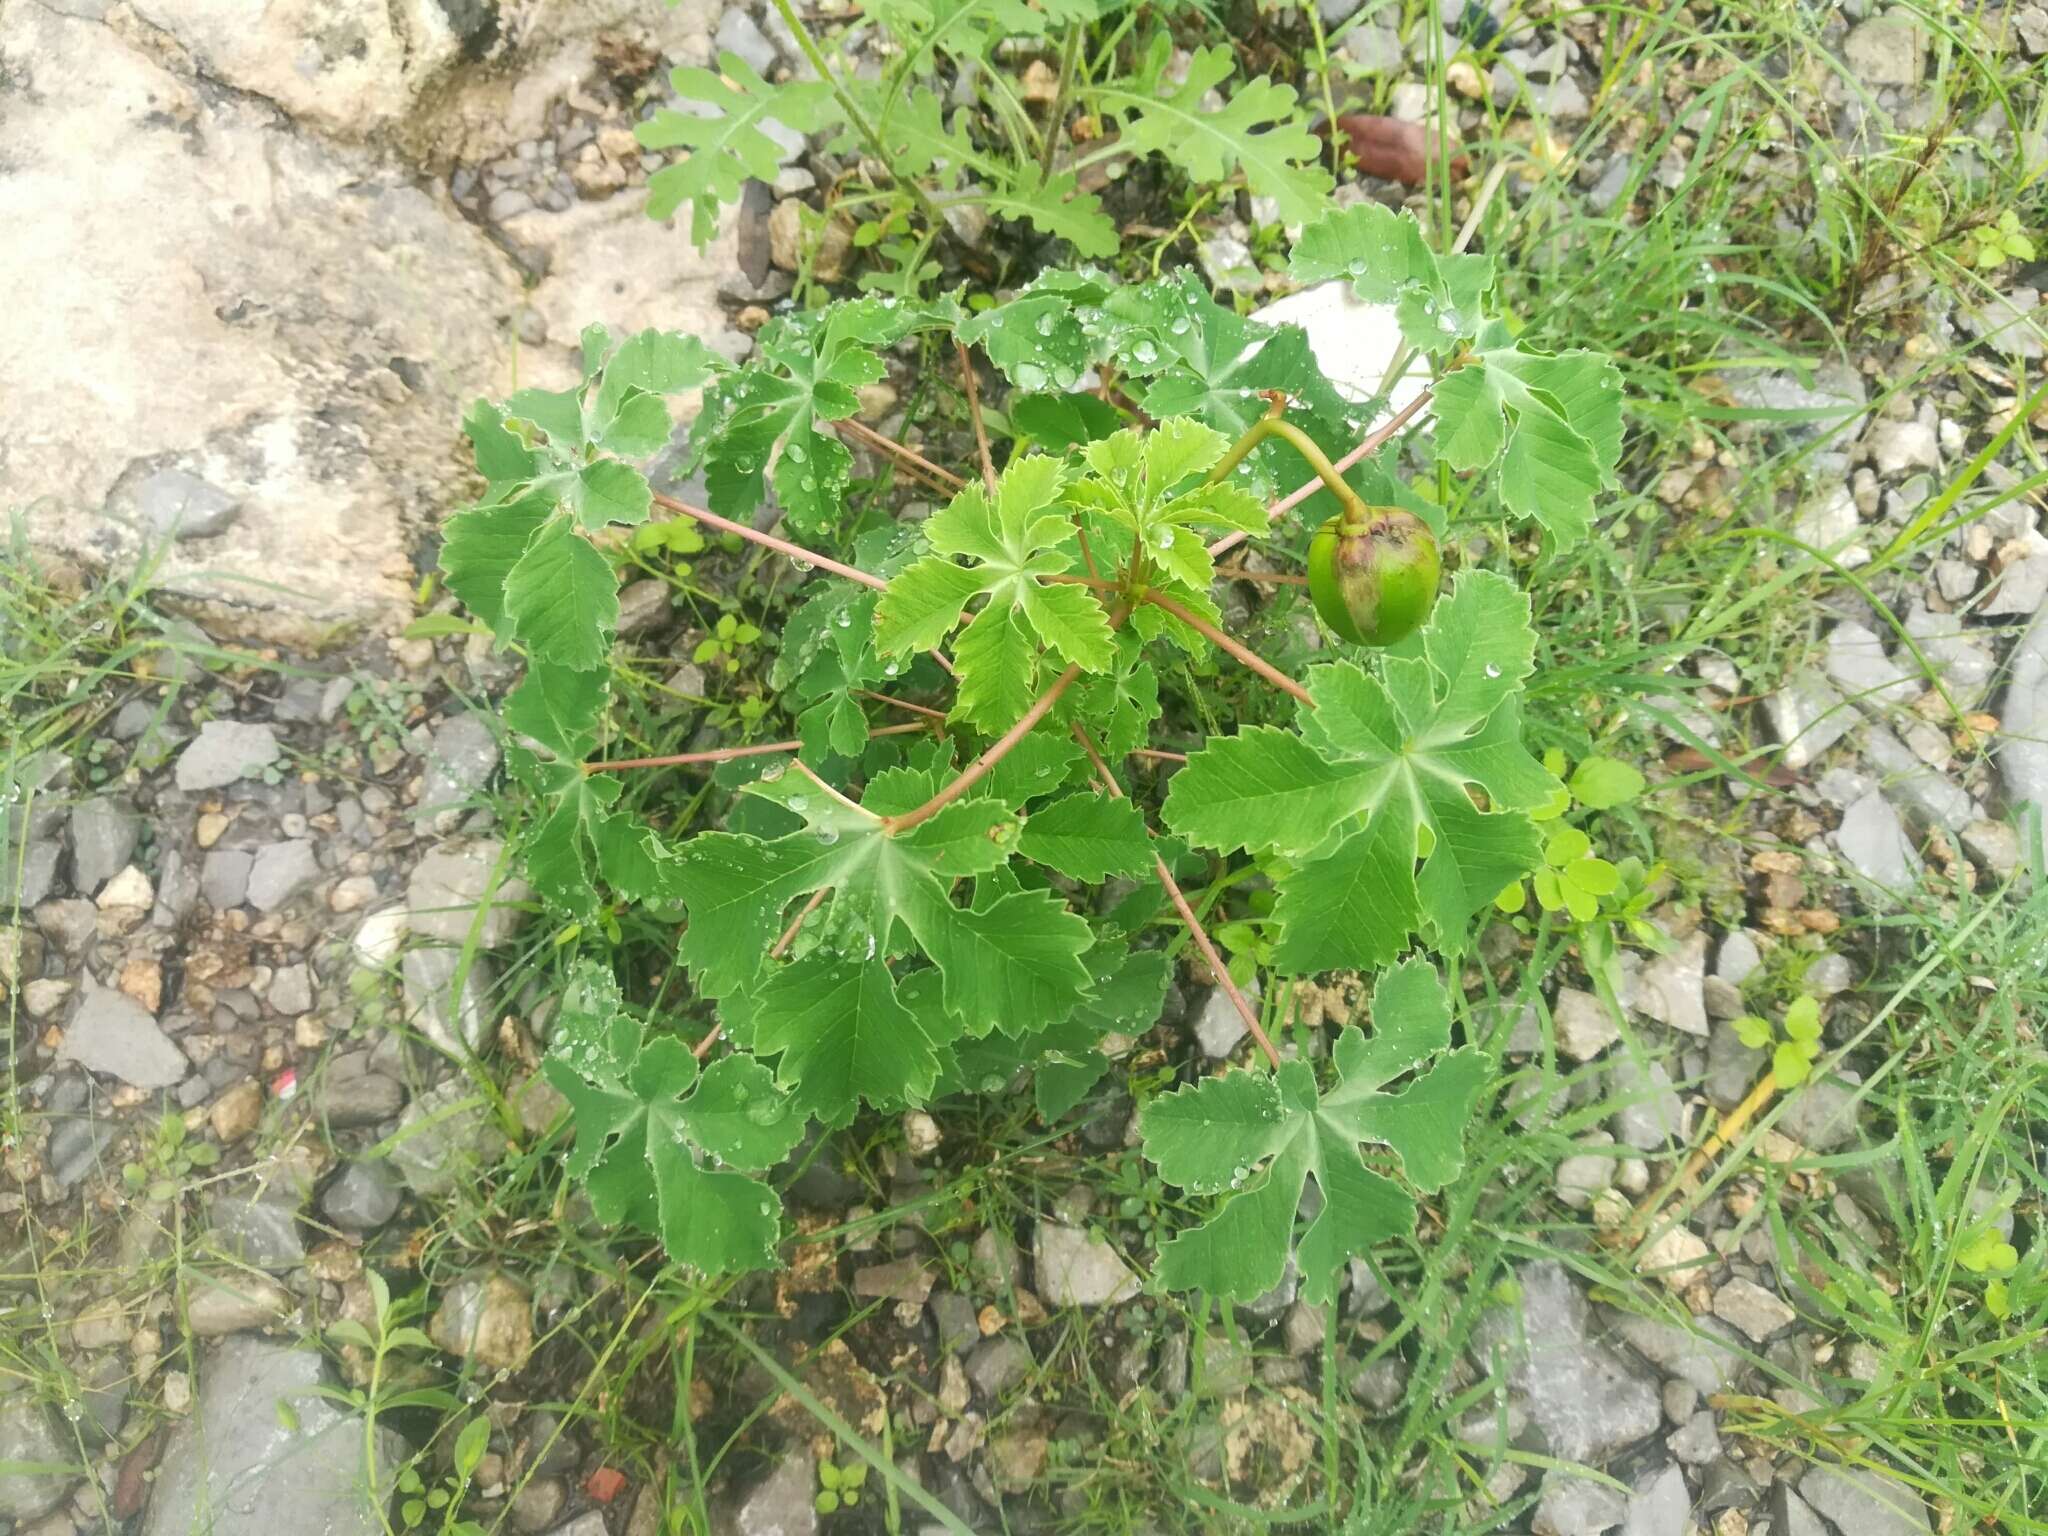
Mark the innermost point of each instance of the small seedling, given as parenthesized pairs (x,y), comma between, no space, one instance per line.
(1792,1057)
(1991,246)
(167,1159)
(839,1487)
(726,640)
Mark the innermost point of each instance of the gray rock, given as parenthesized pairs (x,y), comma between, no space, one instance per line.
(280,871)
(1373,48)
(103,1398)
(224,878)
(1585,1400)
(1836,396)
(2023,585)
(458,1023)
(1219,1027)
(438,1145)
(1874,843)
(173,504)
(1364,1295)
(363,1098)
(224,751)
(1738,957)
(1649,1114)
(460,761)
(1831,524)
(1562,100)
(1753,1309)
(1857,664)
(27,1441)
(993,1261)
(1660,1504)
(114,1034)
(591,1523)
(1865,1501)
(1820,1115)
(1829,975)
(1671,987)
(1914,787)
(996,1365)
(782,1503)
(1896,446)
(487,1318)
(738,33)
(291,989)
(239,1467)
(2023,737)
(1077,1268)
(1585,1027)
(1731,1066)
(1808,716)
(1887,50)
(1573,1506)
(954,1318)
(1228,262)
(1791,1515)
(1381,1385)
(448,888)
(2009,323)
(1584,1175)
(104,833)
(216,1305)
(1698,1440)
(1704,1354)
(362,1197)
(261,1230)
(37,877)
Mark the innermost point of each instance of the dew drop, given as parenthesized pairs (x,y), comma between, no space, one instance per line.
(1045,324)
(799,804)
(1179,326)
(803,565)
(795,453)
(993,1083)
(1144,352)
(1030,376)
(844,619)
(1166,538)
(1492,670)
(764,1112)
(828,835)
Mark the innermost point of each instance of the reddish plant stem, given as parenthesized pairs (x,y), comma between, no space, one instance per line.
(1159,754)
(727,754)
(915,709)
(973,387)
(977,770)
(942,480)
(1245,654)
(1372,441)
(770,541)
(796,924)
(1193,924)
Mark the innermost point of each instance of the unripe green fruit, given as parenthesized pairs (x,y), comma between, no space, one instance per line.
(1375,582)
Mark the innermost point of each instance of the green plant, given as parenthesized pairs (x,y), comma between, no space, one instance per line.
(729,637)
(839,1487)
(167,1158)
(1793,1054)
(880,921)
(1118,92)
(1987,247)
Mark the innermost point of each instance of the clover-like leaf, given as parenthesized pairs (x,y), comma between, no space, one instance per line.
(1255,1139)
(657,1142)
(1374,795)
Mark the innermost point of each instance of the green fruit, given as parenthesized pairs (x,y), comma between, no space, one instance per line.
(1374,582)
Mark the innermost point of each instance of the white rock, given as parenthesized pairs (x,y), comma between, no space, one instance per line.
(1897,446)
(1671,987)
(349,67)
(2023,740)
(212,292)
(1354,342)
(1832,526)
(1075,1268)
(1585,1027)
(1808,716)
(379,936)
(1875,846)
(1857,664)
